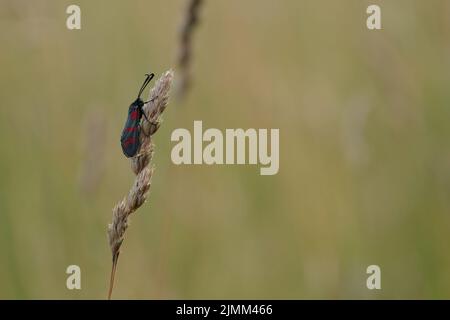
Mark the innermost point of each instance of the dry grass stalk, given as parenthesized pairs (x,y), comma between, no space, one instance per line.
(138,193)
(185,50)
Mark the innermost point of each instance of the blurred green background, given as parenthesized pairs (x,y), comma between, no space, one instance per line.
(364,159)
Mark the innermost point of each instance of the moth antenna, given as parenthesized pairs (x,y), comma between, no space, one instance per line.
(146,82)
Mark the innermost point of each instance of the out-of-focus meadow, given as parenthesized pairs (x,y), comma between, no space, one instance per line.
(364,150)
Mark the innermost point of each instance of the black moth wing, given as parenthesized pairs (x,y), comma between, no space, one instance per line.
(130,139)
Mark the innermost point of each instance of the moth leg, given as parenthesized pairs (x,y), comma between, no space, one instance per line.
(142,109)
(153,123)
(151,100)
(143,131)
(145,116)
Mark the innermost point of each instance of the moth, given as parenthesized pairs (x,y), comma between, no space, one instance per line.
(131,132)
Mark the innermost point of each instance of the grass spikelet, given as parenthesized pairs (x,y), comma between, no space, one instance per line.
(158,99)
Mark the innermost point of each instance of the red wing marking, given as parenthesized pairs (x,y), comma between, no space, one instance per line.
(128,141)
(134,115)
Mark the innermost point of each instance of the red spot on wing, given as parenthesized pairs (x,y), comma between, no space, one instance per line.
(129,141)
(131,129)
(134,115)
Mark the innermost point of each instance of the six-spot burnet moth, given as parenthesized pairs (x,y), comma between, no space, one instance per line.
(130,135)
